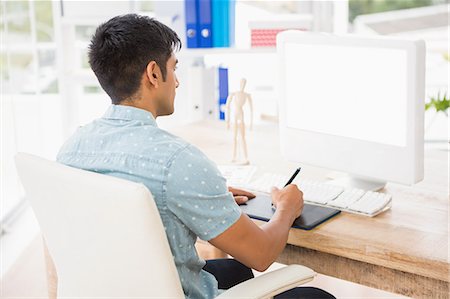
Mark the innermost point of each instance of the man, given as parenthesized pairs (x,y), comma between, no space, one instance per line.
(133,59)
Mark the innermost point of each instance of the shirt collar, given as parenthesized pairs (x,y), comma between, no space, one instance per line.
(122,112)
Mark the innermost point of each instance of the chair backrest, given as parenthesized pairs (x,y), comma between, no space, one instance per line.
(104,234)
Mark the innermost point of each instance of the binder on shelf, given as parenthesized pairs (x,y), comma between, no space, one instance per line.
(223,91)
(223,22)
(219,22)
(201,93)
(172,13)
(191,15)
(231,23)
(204,24)
(209,93)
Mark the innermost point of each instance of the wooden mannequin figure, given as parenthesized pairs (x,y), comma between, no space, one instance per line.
(240,98)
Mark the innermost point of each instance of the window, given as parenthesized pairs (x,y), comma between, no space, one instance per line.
(30,119)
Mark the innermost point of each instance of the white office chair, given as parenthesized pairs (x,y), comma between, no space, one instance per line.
(107,240)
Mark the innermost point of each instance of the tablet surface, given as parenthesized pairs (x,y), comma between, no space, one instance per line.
(260,208)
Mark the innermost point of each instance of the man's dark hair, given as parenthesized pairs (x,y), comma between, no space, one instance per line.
(122,47)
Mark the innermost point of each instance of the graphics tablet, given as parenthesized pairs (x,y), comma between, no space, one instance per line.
(260,208)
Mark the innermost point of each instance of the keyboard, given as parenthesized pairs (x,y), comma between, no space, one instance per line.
(356,201)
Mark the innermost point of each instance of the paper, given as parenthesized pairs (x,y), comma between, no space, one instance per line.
(237,175)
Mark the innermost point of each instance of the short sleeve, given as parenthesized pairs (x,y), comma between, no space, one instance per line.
(197,194)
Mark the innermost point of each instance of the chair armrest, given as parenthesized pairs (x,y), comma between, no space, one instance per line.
(272,283)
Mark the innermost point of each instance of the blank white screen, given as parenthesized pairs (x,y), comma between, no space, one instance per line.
(355,92)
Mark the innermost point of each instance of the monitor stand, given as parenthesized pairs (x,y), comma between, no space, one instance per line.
(350,182)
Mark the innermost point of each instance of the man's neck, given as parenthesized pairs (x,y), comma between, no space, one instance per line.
(138,104)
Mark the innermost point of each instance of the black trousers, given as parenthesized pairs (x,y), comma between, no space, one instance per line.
(230,272)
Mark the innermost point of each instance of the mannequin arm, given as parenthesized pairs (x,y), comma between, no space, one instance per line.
(227,109)
(250,102)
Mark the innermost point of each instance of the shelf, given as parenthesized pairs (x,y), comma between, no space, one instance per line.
(199,52)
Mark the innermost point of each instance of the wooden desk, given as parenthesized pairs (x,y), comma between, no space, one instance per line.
(404,250)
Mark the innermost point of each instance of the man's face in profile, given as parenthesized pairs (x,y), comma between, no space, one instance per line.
(168,88)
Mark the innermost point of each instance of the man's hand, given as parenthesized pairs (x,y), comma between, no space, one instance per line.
(256,246)
(289,199)
(241,196)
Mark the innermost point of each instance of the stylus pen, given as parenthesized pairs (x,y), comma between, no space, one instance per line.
(293,176)
(290,180)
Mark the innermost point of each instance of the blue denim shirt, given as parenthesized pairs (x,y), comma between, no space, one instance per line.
(190,192)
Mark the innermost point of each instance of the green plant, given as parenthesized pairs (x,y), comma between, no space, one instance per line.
(439,103)
(446,56)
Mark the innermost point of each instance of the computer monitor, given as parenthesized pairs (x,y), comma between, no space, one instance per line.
(353,104)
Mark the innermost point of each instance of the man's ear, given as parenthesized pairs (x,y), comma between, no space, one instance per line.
(152,71)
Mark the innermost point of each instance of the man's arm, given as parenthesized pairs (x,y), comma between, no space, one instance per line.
(258,247)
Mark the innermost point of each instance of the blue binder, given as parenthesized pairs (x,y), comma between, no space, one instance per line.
(204,22)
(231,23)
(223,18)
(223,91)
(220,12)
(191,14)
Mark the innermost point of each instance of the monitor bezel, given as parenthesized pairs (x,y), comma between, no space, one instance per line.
(358,157)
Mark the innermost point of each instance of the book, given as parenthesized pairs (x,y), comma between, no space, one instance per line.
(264,32)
